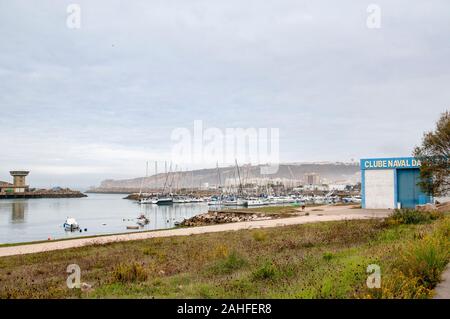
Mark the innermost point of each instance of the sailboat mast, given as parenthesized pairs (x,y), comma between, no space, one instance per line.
(167,176)
(219,182)
(142,181)
(239,175)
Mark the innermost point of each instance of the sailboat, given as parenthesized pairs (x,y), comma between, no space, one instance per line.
(164,200)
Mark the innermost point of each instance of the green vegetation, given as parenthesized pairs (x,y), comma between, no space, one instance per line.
(259,235)
(320,260)
(434,155)
(131,272)
(411,216)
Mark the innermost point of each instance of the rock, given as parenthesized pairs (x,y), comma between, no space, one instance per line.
(444,207)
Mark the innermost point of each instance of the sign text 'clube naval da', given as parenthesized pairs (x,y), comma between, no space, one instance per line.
(390,163)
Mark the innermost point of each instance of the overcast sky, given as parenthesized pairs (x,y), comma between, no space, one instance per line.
(81,105)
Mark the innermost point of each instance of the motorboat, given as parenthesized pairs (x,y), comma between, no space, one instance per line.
(235,202)
(71,224)
(256,202)
(214,202)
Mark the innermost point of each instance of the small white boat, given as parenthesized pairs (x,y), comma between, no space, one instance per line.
(142,220)
(256,202)
(71,224)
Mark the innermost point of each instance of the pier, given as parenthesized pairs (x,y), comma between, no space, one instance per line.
(20,189)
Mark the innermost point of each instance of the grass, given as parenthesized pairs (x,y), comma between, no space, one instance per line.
(271,210)
(259,235)
(82,237)
(130,272)
(320,260)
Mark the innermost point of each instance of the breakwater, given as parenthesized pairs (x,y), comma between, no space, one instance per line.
(43,194)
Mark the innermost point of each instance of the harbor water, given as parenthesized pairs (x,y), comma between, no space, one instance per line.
(24,220)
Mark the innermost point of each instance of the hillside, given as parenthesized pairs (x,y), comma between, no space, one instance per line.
(328,172)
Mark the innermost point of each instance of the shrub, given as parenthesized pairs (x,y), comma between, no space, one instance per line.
(231,263)
(221,251)
(397,285)
(259,235)
(130,272)
(266,271)
(327,256)
(150,251)
(411,216)
(425,260)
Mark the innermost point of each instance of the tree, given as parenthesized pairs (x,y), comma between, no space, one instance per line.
(434,155)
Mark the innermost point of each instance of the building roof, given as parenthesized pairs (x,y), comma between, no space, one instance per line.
(19,173)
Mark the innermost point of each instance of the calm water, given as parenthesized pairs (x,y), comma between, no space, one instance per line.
(23,220)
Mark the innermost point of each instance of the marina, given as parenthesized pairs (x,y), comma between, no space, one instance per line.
(25,220)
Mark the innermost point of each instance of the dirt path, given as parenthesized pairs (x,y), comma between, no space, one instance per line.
(442,290)
(327,213)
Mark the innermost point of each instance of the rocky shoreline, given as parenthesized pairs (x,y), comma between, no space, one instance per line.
(222,217)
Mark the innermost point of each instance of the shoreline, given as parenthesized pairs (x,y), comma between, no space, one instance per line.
(330,214)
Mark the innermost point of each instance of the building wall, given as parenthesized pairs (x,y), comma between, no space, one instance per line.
(19,181)
(379,188)
(391,182)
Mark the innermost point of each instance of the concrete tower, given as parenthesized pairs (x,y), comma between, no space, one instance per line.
(19,185)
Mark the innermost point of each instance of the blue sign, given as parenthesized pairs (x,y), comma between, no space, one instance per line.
(390,163)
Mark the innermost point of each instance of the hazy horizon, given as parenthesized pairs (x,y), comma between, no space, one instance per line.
(78,106)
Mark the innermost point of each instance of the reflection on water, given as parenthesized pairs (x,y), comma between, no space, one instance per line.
(38,219)
(18,211)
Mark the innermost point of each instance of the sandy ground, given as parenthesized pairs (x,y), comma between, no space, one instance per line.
(316,214)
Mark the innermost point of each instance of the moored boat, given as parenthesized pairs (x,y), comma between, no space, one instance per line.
(71,224)
(163,201)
